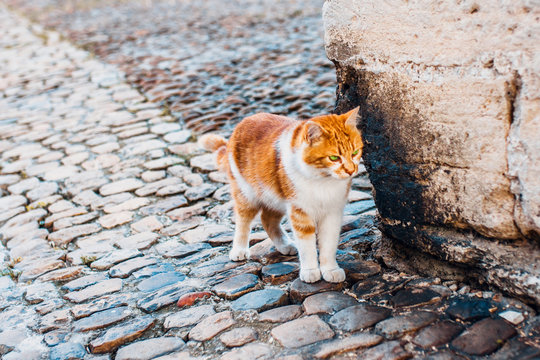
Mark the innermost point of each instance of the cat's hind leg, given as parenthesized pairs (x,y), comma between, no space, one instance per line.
(244,213)
(271,221)
(304,231)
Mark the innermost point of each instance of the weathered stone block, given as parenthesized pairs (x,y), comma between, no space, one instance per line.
(450,126)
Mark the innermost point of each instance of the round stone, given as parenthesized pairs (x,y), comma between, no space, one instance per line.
(359,317)
(467,309)
(415,297)
(281,314)
(359,270)
(160,280)
(303,331)
(328,302)
(278,273)
(238,337)
(261,300)
(300,290)
(437,334)
(237,286)
(484,337)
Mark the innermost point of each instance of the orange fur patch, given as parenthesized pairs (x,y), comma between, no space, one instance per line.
(255,153)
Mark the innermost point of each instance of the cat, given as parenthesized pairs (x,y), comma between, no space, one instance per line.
(278,165)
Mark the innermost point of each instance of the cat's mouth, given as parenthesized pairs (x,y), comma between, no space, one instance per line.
(342,176)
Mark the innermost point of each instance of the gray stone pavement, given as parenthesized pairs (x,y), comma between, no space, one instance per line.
(115,230)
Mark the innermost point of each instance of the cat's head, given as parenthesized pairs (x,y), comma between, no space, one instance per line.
(332,145)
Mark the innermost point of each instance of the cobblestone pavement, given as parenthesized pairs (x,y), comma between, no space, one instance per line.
(209,64)
(115,230)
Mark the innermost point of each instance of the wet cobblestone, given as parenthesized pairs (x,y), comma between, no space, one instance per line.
(115,227)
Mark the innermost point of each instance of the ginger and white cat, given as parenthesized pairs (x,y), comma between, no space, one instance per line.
(280,166)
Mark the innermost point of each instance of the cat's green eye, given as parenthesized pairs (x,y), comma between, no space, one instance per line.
(355,152)
(334,158)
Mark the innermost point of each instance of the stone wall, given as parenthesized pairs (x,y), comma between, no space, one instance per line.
(449,93)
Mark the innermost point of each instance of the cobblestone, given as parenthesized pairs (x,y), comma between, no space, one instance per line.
(281,314)
(149,349)
(300,332)
(484,337)
(116,227)
(261,300)
(211,326)
(327,302)
(102,319)
(119,335)
(238,337)
(399,325)
(358,317)
(347,344)
(188,317)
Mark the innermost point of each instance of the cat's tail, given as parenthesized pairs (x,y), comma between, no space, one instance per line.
(217,144)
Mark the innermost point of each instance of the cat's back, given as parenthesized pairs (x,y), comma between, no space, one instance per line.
(254,158)
(255,135)
(261,127)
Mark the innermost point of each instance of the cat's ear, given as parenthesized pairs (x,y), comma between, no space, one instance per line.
(350,117)
(312,133)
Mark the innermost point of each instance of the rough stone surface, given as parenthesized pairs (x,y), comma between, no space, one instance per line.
(93,291)
(236,286)
(254,351)
(402,324)
(158,281)
(484,337)
(67,351)
(238,337)
(190,298)
(469,308)
(149,349)
(360,270)
(358,317)
(516,349)
(415,297)
(83,282)
(164,296)
(188,317)
(211,326)
(299,290)
(100,304)
(513,317)
(279,273)
(300,332)
(281,314)
(452,173)
(327,302)
(261,300)
(437,334)
(391,350)
(108,261)
(348,344)
(102,319)
(119,335)
(74,123)
(124,269)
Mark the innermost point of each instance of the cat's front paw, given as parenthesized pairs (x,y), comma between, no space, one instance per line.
(287,249)
(310,275)
(239,254)
(334,275)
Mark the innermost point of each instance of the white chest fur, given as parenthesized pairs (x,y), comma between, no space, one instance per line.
(315,194)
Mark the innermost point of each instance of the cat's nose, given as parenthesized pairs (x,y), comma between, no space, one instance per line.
(349,170)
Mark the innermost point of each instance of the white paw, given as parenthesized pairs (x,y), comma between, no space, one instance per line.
(334,275)
(239,254)
(310,275)
(287,249)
